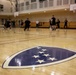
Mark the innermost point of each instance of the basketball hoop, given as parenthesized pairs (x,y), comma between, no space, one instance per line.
(16,14)
(73,8)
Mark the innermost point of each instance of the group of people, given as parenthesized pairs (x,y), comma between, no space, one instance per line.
(12,23)
(53,23)
(56,24)
(26,22)
(8,24)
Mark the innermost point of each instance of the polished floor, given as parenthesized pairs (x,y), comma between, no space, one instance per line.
(15,40)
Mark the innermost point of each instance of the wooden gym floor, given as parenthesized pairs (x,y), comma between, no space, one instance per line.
(12,42)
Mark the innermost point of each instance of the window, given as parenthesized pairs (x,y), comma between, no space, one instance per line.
(41,0)
(33,0)
(72,1)
(1,7)
(22,4)
(27,3)
(65,2)
(51,2)
(75,1)
(19,7)
(59,2)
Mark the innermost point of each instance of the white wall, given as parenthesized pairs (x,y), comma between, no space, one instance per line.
(45,16)
(7,7)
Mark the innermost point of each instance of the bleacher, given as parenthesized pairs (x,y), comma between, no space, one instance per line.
(46,24)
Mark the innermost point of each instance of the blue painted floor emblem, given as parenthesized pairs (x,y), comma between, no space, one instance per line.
(38,56)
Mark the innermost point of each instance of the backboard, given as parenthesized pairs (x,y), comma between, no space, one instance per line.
(73,7)
(16,14)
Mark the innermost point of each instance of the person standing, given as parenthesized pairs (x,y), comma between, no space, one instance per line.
(37,24)
(27,24)
(7,24)
(22,23)
(65,23)
(50,24)
(53,22)
(58,23)
(19,23)
(13,25)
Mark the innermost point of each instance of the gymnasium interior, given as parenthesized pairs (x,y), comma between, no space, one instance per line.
(39,51)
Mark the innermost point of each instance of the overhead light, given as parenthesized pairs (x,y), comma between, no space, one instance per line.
(44,11)
(65,9)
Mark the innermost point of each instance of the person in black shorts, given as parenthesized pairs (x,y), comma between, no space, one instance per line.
(27,24)
(53,22)
(58,23)
(65,23)
(7,24)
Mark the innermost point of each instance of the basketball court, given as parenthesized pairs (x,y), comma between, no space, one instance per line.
(12,43)
(40,51)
